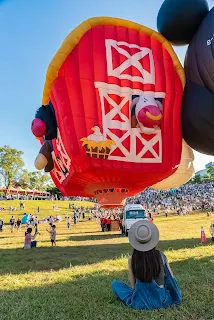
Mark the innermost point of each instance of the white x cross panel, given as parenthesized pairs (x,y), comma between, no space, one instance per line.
(131,61)
(119,129)
(62,162)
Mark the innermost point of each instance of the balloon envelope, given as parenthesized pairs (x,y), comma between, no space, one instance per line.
(100,68)
(184,172)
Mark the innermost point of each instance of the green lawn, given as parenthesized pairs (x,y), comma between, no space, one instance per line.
(73,280)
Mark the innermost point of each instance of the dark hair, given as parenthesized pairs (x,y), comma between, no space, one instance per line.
(29,230)
(53,226)
(146,266)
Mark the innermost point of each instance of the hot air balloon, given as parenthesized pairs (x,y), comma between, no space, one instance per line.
(196,29)
(184,172)
(115,89)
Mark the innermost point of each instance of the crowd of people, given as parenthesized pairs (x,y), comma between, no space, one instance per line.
(182,200)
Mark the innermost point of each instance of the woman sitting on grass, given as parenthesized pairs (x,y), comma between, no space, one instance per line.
(153,285)
(29,239)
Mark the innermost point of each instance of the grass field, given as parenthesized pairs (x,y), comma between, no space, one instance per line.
(73,280)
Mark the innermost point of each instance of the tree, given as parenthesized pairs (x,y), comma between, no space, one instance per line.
(54,190)
(11,164)
(210,172)
(197,179)
(38,180)
(206,178)
(23,180)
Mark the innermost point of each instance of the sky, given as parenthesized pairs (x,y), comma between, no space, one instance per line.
(31,32)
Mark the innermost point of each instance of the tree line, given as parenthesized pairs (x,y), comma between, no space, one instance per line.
(208,177)
(13,172)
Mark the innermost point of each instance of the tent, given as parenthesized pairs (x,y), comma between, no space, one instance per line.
(21,190)
(28,191)
(12,190)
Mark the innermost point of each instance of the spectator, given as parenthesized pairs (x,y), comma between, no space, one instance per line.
(1,224)
(53,235)
(68,222)
(12,224)
(19,224)
(153,285)
(75,217)
(29,239)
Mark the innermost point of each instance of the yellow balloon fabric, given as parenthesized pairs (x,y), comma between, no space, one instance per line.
(40,162)
(184,172)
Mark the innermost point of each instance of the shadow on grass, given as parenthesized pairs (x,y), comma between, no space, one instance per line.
(47,258)
(101,236)
(90,296)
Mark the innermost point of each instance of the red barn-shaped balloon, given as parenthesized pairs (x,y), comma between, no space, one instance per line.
(116,90)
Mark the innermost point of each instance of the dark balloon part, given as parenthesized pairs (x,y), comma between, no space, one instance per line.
(38,128)
(198,118)
(198,99)
(199,62)
(51,145)
(179,20)
(46,151)
(46,114)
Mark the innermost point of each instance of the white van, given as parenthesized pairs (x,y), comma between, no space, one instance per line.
(131,214)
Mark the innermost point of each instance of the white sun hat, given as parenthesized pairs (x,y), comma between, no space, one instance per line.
(143,235)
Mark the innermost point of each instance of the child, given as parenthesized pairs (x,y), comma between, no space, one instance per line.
(153,285)
(53,235)
(29,239)
(36,225)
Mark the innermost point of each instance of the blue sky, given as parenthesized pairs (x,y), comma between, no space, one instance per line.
(31,33)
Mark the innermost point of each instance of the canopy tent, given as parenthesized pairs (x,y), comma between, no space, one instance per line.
(12,190)
(28,191)
(35,191)
(21,190)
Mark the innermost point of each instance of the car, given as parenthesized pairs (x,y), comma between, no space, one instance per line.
(131,214)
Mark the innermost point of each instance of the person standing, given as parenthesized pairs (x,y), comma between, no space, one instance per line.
(12,224)
(75,217)
(36,225)
(50,220)
(53,235)
(19,224)
(68,222)
(1,224)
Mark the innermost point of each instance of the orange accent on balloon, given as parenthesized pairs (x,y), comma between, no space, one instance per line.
(156,118)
